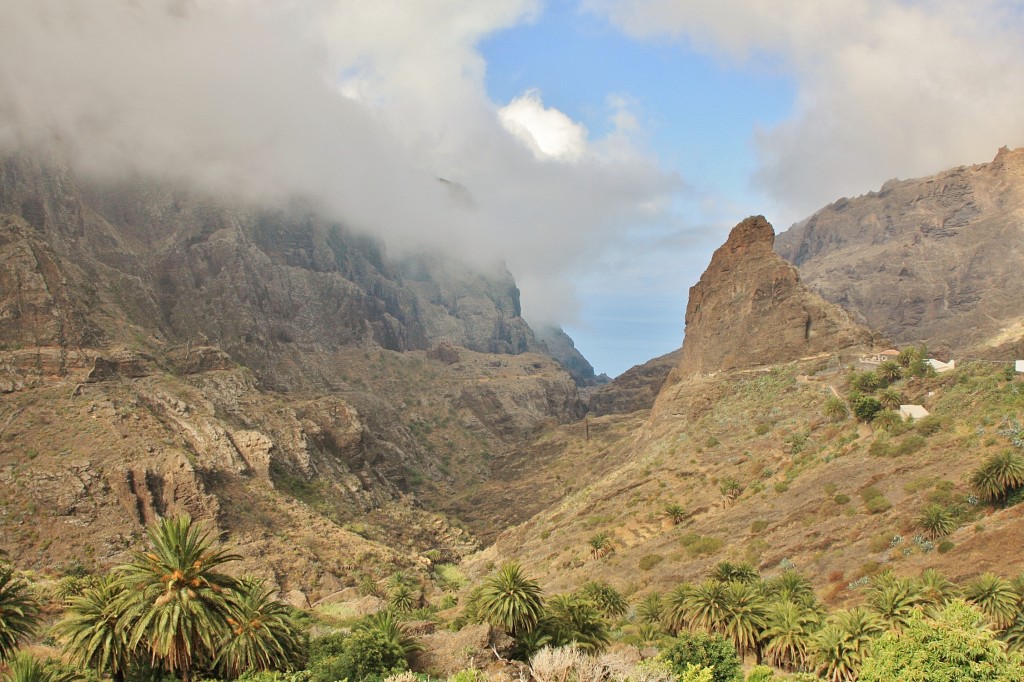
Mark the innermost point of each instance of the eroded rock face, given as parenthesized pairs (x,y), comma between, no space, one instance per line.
(749,308)
(636,388)
(274,288)
(936,259)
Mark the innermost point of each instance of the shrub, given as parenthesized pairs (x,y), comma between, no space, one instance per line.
(704,545)
(841,499)
(874,500)
(866,407)
(758,526)
(945,546)
(702,649)
(469,675)
(367,653)
(760,673)
(649,561)
(928,425)
(761,429)
(711,442)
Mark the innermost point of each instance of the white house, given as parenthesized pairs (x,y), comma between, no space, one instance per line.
(1020,365)
(912,412)
(940,366)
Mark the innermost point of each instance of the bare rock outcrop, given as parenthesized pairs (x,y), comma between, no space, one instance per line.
(636,388)
(935,259)
(749,308)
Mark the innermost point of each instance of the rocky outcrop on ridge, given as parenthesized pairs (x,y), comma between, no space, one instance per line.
(749,308)
(935,259)
(635,389)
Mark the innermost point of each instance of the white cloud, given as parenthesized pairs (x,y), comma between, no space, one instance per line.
(548,132)
(358,105)
(884,88)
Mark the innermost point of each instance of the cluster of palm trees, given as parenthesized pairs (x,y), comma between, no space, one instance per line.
(872,396)
(514,602)
(170,609)
(781,620)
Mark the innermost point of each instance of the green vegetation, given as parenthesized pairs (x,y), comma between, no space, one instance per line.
(874,500)
(511,600)
(19,612)
(952,645)
(706,651)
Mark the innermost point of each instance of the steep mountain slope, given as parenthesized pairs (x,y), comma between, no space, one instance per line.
(738,438)
(935,259)
(264,369)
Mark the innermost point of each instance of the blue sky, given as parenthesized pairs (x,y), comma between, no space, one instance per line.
(698,115)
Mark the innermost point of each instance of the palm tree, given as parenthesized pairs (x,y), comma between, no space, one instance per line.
(910,355)
(386,623)
(1000,475)
(730,489)
(791,586)
(676,513)
(840,646)
(264,636)
(19,612)
(889,371)
(890,398)
(745,612)
(936,521)
(676,608)
(935,589)
(606,598)
(176,598)
(401,598)
(835,410)
(705,606)
(96,630)
(995,597)
(893,599)
(511,600)
(650,609)
(570,619)
(600,544)
(726,571)
(787,634)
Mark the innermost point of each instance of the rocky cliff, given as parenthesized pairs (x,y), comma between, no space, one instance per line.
(749,308)
(635,389)
(935,259)
(265,369)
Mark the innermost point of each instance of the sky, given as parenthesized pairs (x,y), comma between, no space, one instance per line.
(606,146)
